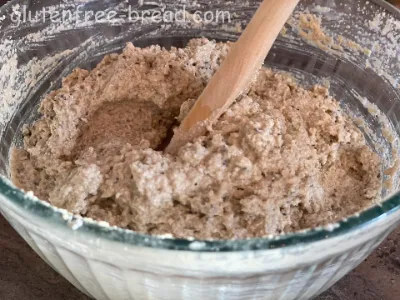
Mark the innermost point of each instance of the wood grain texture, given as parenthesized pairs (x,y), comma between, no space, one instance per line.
(24,276)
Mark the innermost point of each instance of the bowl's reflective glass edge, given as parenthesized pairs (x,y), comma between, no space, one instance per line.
(38,208)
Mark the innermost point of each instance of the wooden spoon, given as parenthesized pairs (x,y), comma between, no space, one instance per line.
(236,72)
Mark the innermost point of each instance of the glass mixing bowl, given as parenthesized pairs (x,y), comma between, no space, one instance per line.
(359,57)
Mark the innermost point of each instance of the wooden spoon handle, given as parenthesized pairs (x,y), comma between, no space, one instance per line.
(236,72)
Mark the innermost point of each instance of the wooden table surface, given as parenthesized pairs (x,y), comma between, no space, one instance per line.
(24,276)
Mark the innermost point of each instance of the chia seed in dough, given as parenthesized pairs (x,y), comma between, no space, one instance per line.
(281,159)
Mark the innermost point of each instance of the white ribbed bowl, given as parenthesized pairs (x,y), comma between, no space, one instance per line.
(107,269)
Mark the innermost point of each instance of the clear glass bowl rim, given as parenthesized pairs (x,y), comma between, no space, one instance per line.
(97,230)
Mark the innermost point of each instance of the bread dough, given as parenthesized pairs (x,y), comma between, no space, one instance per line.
(281,159)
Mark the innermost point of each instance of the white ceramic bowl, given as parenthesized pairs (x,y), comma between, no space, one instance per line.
(112,263)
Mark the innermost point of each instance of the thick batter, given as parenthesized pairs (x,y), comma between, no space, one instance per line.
(281,159)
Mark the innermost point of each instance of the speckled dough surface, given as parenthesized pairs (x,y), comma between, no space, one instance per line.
(281,159)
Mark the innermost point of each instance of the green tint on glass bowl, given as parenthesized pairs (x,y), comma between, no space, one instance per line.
(90,42)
